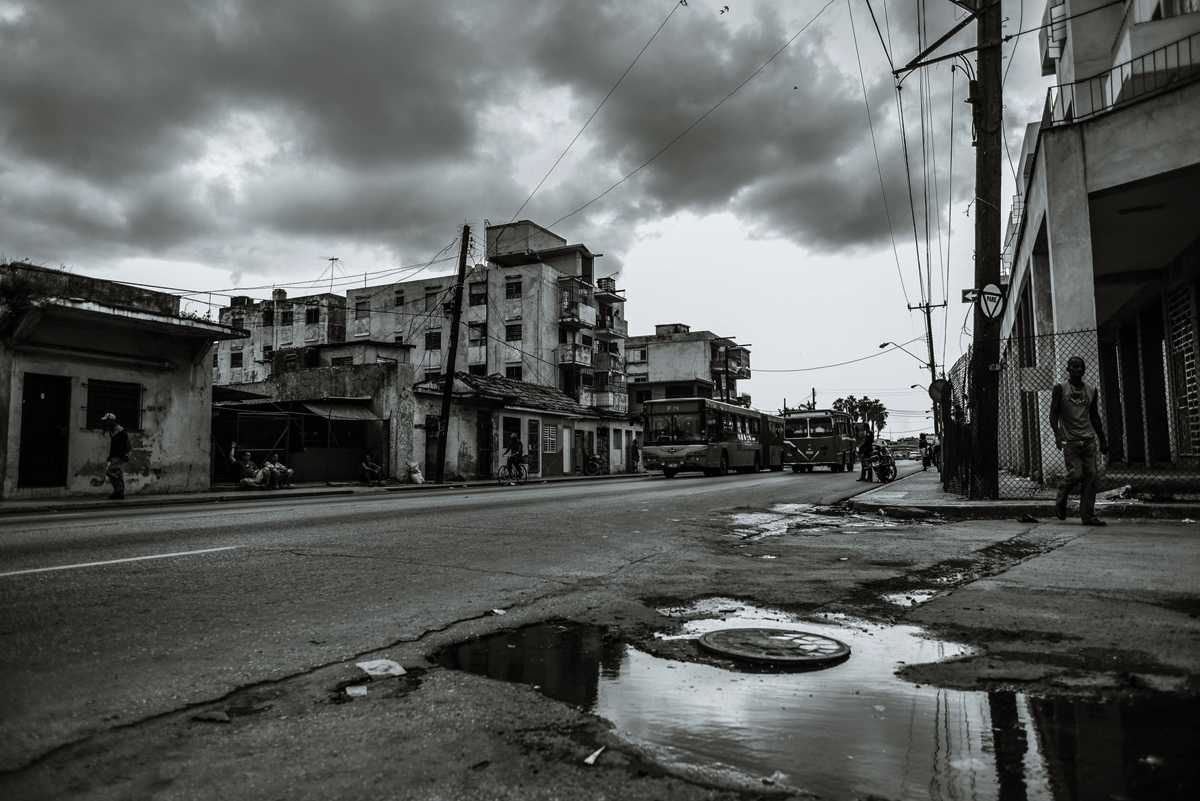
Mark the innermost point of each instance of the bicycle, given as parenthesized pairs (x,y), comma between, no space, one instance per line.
(507,475)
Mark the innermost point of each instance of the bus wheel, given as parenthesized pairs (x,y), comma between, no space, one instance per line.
(795,468)
(669,473)
(757,465)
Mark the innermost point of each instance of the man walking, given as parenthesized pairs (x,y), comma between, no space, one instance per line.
(1075,420)
(118,455)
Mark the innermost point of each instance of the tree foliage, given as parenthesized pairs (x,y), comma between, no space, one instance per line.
(863,410)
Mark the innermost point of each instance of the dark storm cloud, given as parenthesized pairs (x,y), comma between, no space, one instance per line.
(375,113)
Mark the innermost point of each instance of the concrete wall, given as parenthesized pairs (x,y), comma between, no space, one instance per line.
(170,453)
(679,361)
(520,237)
(332,328)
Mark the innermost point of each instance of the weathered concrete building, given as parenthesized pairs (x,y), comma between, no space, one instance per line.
(275,324)
(557,431)
(677,362)
(534,312)
(1102,257)
(322,408)
(73,348)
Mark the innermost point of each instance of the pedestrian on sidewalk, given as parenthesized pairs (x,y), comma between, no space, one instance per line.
(926,453)
(250,475)
(118,455)
(1078,433)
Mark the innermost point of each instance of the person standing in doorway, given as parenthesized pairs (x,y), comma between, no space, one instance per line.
(1078,433)
(118,455)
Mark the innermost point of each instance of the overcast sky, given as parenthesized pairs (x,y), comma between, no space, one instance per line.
(215,144)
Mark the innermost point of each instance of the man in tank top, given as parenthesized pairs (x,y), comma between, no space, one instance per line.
(1075,419)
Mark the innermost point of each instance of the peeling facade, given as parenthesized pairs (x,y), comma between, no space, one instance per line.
(677,362)
(73,348)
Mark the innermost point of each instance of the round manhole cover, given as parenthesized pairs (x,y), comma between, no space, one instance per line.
(799,649)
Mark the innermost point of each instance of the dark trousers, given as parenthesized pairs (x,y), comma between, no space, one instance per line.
(866,474)
(116,476)
(1080,457)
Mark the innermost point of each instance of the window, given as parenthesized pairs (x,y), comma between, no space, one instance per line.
(431,299)
(549,439)
(477,293)
(513,371)
(268,317)
(398,339)
(286,316)
(216,358)
(238,323)
(586,379)
(639,379)
(235,359)
(290,362)
(637,355)
(122,399)
(433,375)
(342,361)
(267,352)
(312,357)
(433,340)
(512,290)
(475,334)
(642,395)
(398,299)
(614,348)
(312,314)
(562,336)
(477,369)
(512,332)
(585,340)
(617,445)
(362,309)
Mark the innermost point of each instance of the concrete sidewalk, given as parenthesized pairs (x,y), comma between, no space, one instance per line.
(231,494)
(921,494)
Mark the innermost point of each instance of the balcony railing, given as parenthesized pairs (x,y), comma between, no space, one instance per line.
(1168,67)
(612,328)
(575,354)
(612,399)
(572,313)
(611,362)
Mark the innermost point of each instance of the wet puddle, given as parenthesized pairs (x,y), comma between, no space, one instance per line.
(801,519)
(853,730)
(909,598)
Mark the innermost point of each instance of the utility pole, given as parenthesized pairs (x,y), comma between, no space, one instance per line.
(986,107)
(927,308)
(448,373)
(814,401)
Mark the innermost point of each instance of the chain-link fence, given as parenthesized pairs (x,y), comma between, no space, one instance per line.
(1145,412)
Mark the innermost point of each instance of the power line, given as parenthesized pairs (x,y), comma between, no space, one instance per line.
(697,121)
(827,366)
(878,167)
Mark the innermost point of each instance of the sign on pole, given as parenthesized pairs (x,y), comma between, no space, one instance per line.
(991,301)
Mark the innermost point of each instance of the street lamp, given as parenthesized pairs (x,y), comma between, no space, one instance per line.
(906,350)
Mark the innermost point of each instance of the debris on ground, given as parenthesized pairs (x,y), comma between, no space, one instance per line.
(1116,494)
(499,612)
(1027,519)
(592,757)
(212,716)
(356,690)
(381,667)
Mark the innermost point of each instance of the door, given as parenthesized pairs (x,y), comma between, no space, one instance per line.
(484,442)
(433,433)
(580,452)
(45,425)
(533,447)
(568,440)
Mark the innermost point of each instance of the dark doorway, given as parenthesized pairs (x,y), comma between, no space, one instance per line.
(45,424)
(433,432)
(484,435)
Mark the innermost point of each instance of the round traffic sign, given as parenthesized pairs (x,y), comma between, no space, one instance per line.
(783,647)
(991,301)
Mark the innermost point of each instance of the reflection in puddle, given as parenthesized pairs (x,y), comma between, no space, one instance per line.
(855,729)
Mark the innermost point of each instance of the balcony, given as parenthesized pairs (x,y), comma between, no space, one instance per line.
(607,292)
(579,315)
(737,368)
(1160,70)
(611,399)
(608,362)
(612,328)
(574,355)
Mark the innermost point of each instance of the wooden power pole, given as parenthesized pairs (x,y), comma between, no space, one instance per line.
(986,106)
(448,372)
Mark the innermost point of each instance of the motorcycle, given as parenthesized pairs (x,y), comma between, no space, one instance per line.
(883,464)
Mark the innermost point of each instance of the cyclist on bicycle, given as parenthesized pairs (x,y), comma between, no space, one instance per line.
(516,453)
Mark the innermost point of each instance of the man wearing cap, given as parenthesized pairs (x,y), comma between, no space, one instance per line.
(1075,420)
(118,455)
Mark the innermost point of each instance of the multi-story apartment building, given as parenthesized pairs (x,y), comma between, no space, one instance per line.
(534,313)
(677,362)
(1102,257)
(276,324)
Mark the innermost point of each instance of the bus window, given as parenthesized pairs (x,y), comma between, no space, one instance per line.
(796,427)
(669,428)
(820,426)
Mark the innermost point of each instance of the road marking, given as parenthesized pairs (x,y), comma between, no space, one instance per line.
(117,561)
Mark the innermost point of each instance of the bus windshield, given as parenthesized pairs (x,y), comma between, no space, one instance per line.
(665,428)
(795,427)
(820,426)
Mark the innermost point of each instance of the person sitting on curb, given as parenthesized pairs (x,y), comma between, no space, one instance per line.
(281,474)
(372,473)
(250,475)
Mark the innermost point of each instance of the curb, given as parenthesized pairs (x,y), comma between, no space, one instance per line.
(982,510)
(86,506)
(533,482)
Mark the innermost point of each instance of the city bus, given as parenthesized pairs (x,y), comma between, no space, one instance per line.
(821,437)
(709,436)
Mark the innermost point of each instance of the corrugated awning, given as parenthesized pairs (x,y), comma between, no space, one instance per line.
(341,411)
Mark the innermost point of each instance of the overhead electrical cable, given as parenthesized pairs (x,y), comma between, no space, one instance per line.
(835,364)
(878,167)
(696,121)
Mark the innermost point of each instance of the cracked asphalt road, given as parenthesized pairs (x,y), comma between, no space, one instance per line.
(302,584)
